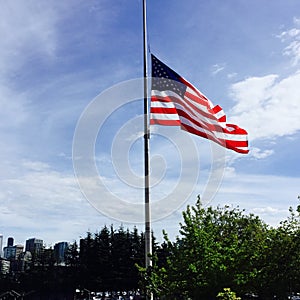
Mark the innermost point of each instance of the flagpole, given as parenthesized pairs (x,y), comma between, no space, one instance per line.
(148,242)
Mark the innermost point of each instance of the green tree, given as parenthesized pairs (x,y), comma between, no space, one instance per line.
(280,274)
(216,248)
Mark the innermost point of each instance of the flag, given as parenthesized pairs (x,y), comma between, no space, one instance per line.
(176,102)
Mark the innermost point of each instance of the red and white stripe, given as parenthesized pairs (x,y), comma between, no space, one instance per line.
(196,114)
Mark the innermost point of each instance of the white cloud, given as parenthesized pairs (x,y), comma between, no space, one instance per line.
(260,154)
(35,165)
(268,210)
(44,202)
(291,33)
(267,107)
(267,196)
(38,186)
(293,50)
(296,21)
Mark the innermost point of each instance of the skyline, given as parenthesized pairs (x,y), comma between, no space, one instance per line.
(5,244)
(56,58)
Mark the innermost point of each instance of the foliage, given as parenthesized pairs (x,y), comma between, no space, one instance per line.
(107,259)
(227,294)
(281,270)
(223,246)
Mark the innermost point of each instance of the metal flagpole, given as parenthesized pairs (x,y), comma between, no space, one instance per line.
(148,242)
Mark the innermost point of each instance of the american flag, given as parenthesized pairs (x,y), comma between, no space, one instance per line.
(176,102)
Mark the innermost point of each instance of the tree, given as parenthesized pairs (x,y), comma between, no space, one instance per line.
(72,255)
(217,248)
(103,256)
(108,259)
(280,274)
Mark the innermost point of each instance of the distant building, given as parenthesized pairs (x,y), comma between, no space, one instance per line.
(60,251)
(23,262)
(34,246)
(13,252)
(19,250)
(8,252)
(10,241)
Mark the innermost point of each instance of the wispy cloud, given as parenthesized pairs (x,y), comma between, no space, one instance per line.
(231,75)
(292,37)
(260,154)
(26,29)
(217,68)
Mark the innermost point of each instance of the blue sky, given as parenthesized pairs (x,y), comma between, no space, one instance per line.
(57,56)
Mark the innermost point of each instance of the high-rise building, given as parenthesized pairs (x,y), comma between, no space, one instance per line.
(1,244)
(13,252)
(60,251)
(10,241)
(34,246)
(9,252)
(19,250)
